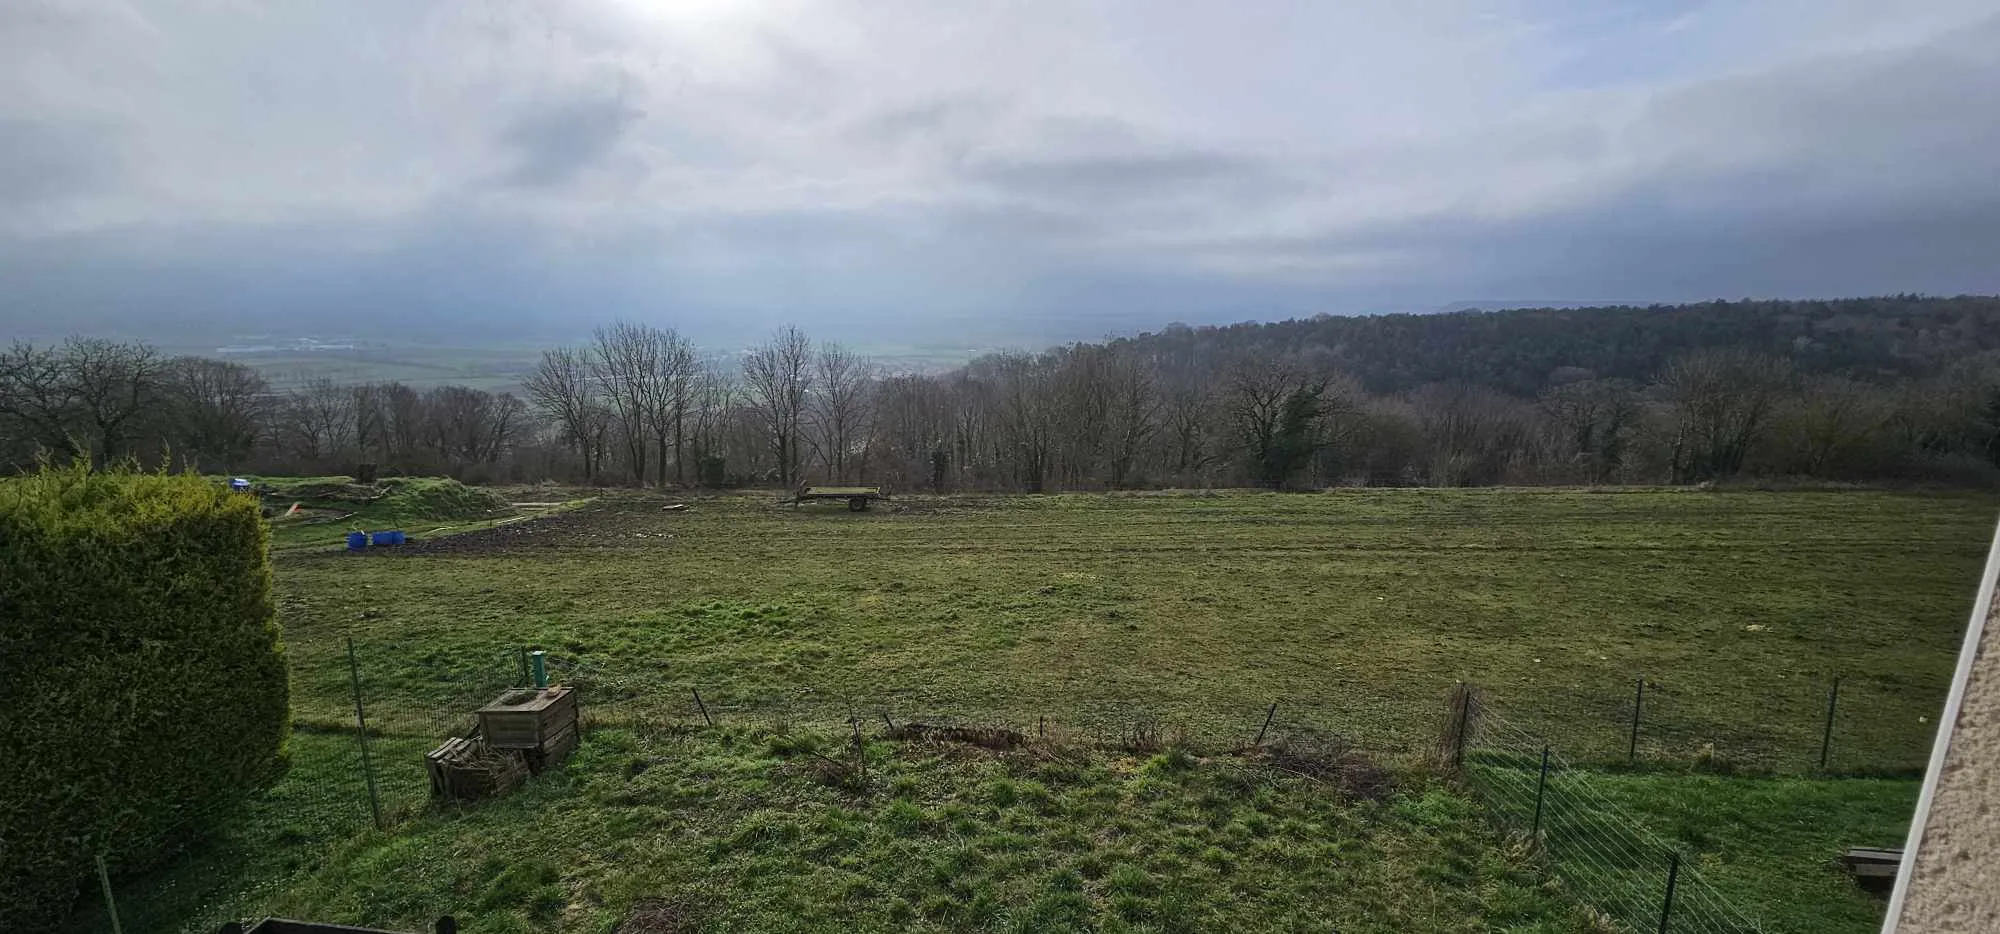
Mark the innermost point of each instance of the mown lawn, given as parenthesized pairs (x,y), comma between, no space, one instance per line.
(1354,611)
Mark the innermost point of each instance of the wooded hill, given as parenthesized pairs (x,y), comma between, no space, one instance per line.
(1901,389)
(1521,351)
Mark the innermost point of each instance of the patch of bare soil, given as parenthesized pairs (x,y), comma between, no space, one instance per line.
(656,916)
(617,522)
(621,520)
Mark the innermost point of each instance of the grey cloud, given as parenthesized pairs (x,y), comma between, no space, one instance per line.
(43,162)
(552,144)
(1124,178)
(733,174)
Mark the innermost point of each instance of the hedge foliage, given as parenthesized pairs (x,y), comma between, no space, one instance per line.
(145,683)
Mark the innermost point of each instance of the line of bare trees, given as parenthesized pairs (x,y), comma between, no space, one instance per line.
(1114,415)
(110,401)
(639,404)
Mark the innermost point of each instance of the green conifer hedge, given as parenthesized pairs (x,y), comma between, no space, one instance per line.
(142,682)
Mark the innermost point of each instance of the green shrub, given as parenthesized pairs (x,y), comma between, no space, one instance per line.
(145,682)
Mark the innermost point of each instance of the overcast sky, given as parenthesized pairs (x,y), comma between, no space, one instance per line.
(942,170)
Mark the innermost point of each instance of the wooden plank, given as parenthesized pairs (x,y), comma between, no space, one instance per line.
(1862,852)
(840,492)
(553,752)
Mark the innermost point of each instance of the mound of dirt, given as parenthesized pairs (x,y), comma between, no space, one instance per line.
(621,522)
(407,497)
(439,498)
(326,491)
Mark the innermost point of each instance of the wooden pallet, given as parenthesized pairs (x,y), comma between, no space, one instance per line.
(466,769)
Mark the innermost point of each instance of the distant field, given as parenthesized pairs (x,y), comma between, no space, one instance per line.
(496,367)
(1353,610)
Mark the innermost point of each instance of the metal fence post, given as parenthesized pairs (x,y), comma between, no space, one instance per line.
(361,731)
(110,904)
(1638,702)
(1464,698)
(701,706)
(1667,907)
(1541,786)
(1826,738)
(1268,715)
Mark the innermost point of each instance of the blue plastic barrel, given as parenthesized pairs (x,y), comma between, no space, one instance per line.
(399,536)
(357,541)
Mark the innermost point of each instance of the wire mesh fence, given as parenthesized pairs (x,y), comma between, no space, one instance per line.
(1829,725)
(357,755)
(1632,878)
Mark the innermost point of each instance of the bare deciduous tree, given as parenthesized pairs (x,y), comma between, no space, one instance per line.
(1188,412)
(1471,433)
(911,416)
(561,386)
(1025,416)
(1132,412)
(778,378)
(317,420)
(839,406)
(219,410)
(1718,402)
(712,394)
(626,358)
(667,388)
(403,420)
(1829,422)
(113,384)
(1591,422)
(38,401)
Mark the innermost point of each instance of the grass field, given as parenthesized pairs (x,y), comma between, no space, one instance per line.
(1353,610)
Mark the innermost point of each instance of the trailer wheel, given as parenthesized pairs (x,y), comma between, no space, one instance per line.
(857,504)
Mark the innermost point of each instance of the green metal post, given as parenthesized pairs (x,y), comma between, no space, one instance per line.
(1541,787)
(1673,878)
(538,660)
(1638,702)
(361,731)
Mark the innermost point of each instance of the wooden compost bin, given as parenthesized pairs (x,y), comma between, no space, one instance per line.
(529,718)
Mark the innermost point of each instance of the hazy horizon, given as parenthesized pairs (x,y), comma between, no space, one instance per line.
(973,175)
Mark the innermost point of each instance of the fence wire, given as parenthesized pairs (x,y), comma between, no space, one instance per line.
(1633,878)
(345,778)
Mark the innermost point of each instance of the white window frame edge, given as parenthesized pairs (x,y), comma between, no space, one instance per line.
(1968,654)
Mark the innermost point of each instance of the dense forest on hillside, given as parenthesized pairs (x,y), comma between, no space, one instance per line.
(1523,350)
(1899,389)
